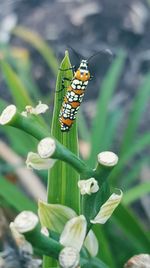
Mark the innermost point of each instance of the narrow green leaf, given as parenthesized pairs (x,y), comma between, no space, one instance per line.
(138,107)
(132,174)
(62,181)
(110,135)
(37,42)
(137,147)
(20,141)
(131,226)
(3,104)
(100,121)
(95,263)
(24,71)
(14,197)
(136,193)
(17,89)
(104,247)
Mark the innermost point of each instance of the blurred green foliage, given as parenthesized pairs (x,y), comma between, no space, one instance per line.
(125,234)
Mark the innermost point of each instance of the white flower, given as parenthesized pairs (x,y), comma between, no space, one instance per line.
(55,217)
(74,233)
(88,186)
(39,109)
(108,208)
(36,162)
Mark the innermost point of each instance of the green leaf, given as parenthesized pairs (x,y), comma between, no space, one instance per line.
(114,121)
(104,253)
(14,197)
(108,86)
(132,174)
(131,226)
(136,192)
(17,89)
(137,147)
(95,263)
(62,181)
(138,108)
(37,42)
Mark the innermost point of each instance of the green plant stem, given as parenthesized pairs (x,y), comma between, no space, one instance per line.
(92,203)
(32,127)
(46,245)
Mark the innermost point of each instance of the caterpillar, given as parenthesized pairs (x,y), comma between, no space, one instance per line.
(74,96)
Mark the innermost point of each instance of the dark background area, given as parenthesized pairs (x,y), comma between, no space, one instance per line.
(87,26)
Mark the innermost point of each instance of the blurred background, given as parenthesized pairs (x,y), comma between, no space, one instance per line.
(113,116)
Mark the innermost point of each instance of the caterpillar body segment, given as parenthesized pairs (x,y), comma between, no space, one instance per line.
(74,96)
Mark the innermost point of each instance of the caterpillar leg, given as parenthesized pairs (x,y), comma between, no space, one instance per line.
(63,86)
(71,68)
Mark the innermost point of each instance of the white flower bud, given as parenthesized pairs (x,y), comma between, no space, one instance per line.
(69,258)
(7,114)
(25,221)
(46,147)
(108,159)
(88,186)
(138,261)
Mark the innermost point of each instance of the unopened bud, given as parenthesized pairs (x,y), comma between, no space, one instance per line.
(108,159)
(46,147)
(69,258)
(138,261)
(7,114)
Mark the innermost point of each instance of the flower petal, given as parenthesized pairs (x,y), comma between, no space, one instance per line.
(91,243)
(88,186)
(36,162)
(74,233)
(108,208)
(54,216)
(41,108)
(45,231)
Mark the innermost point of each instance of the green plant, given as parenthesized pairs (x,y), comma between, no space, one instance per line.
(124,221)
(92,209)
